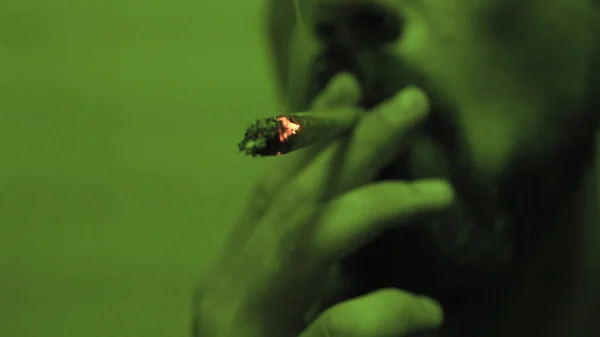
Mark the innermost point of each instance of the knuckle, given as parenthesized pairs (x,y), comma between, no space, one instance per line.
(260,189)
(260,196)
(303,191)
(288,225)
(296,195)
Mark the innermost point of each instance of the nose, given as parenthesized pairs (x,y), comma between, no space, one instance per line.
(363,24)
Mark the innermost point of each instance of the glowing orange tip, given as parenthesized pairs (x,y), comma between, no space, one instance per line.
(289,128)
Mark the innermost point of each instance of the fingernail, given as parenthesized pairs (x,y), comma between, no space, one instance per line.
(409,103)
(441,189)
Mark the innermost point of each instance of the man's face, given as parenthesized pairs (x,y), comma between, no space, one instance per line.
(509,75)
(508,80)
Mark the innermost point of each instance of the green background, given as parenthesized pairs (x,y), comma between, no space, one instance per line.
(119,175)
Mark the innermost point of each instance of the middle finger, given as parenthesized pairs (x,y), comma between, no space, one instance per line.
(357,159)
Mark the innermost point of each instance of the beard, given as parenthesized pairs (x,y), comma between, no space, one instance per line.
(474,253)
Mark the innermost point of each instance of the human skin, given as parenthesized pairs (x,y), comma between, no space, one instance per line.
(512,130)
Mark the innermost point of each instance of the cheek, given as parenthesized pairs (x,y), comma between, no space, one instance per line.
(491,103)
(440,45)
(455,46)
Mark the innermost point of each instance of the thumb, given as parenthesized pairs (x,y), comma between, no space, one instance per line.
(383,313)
